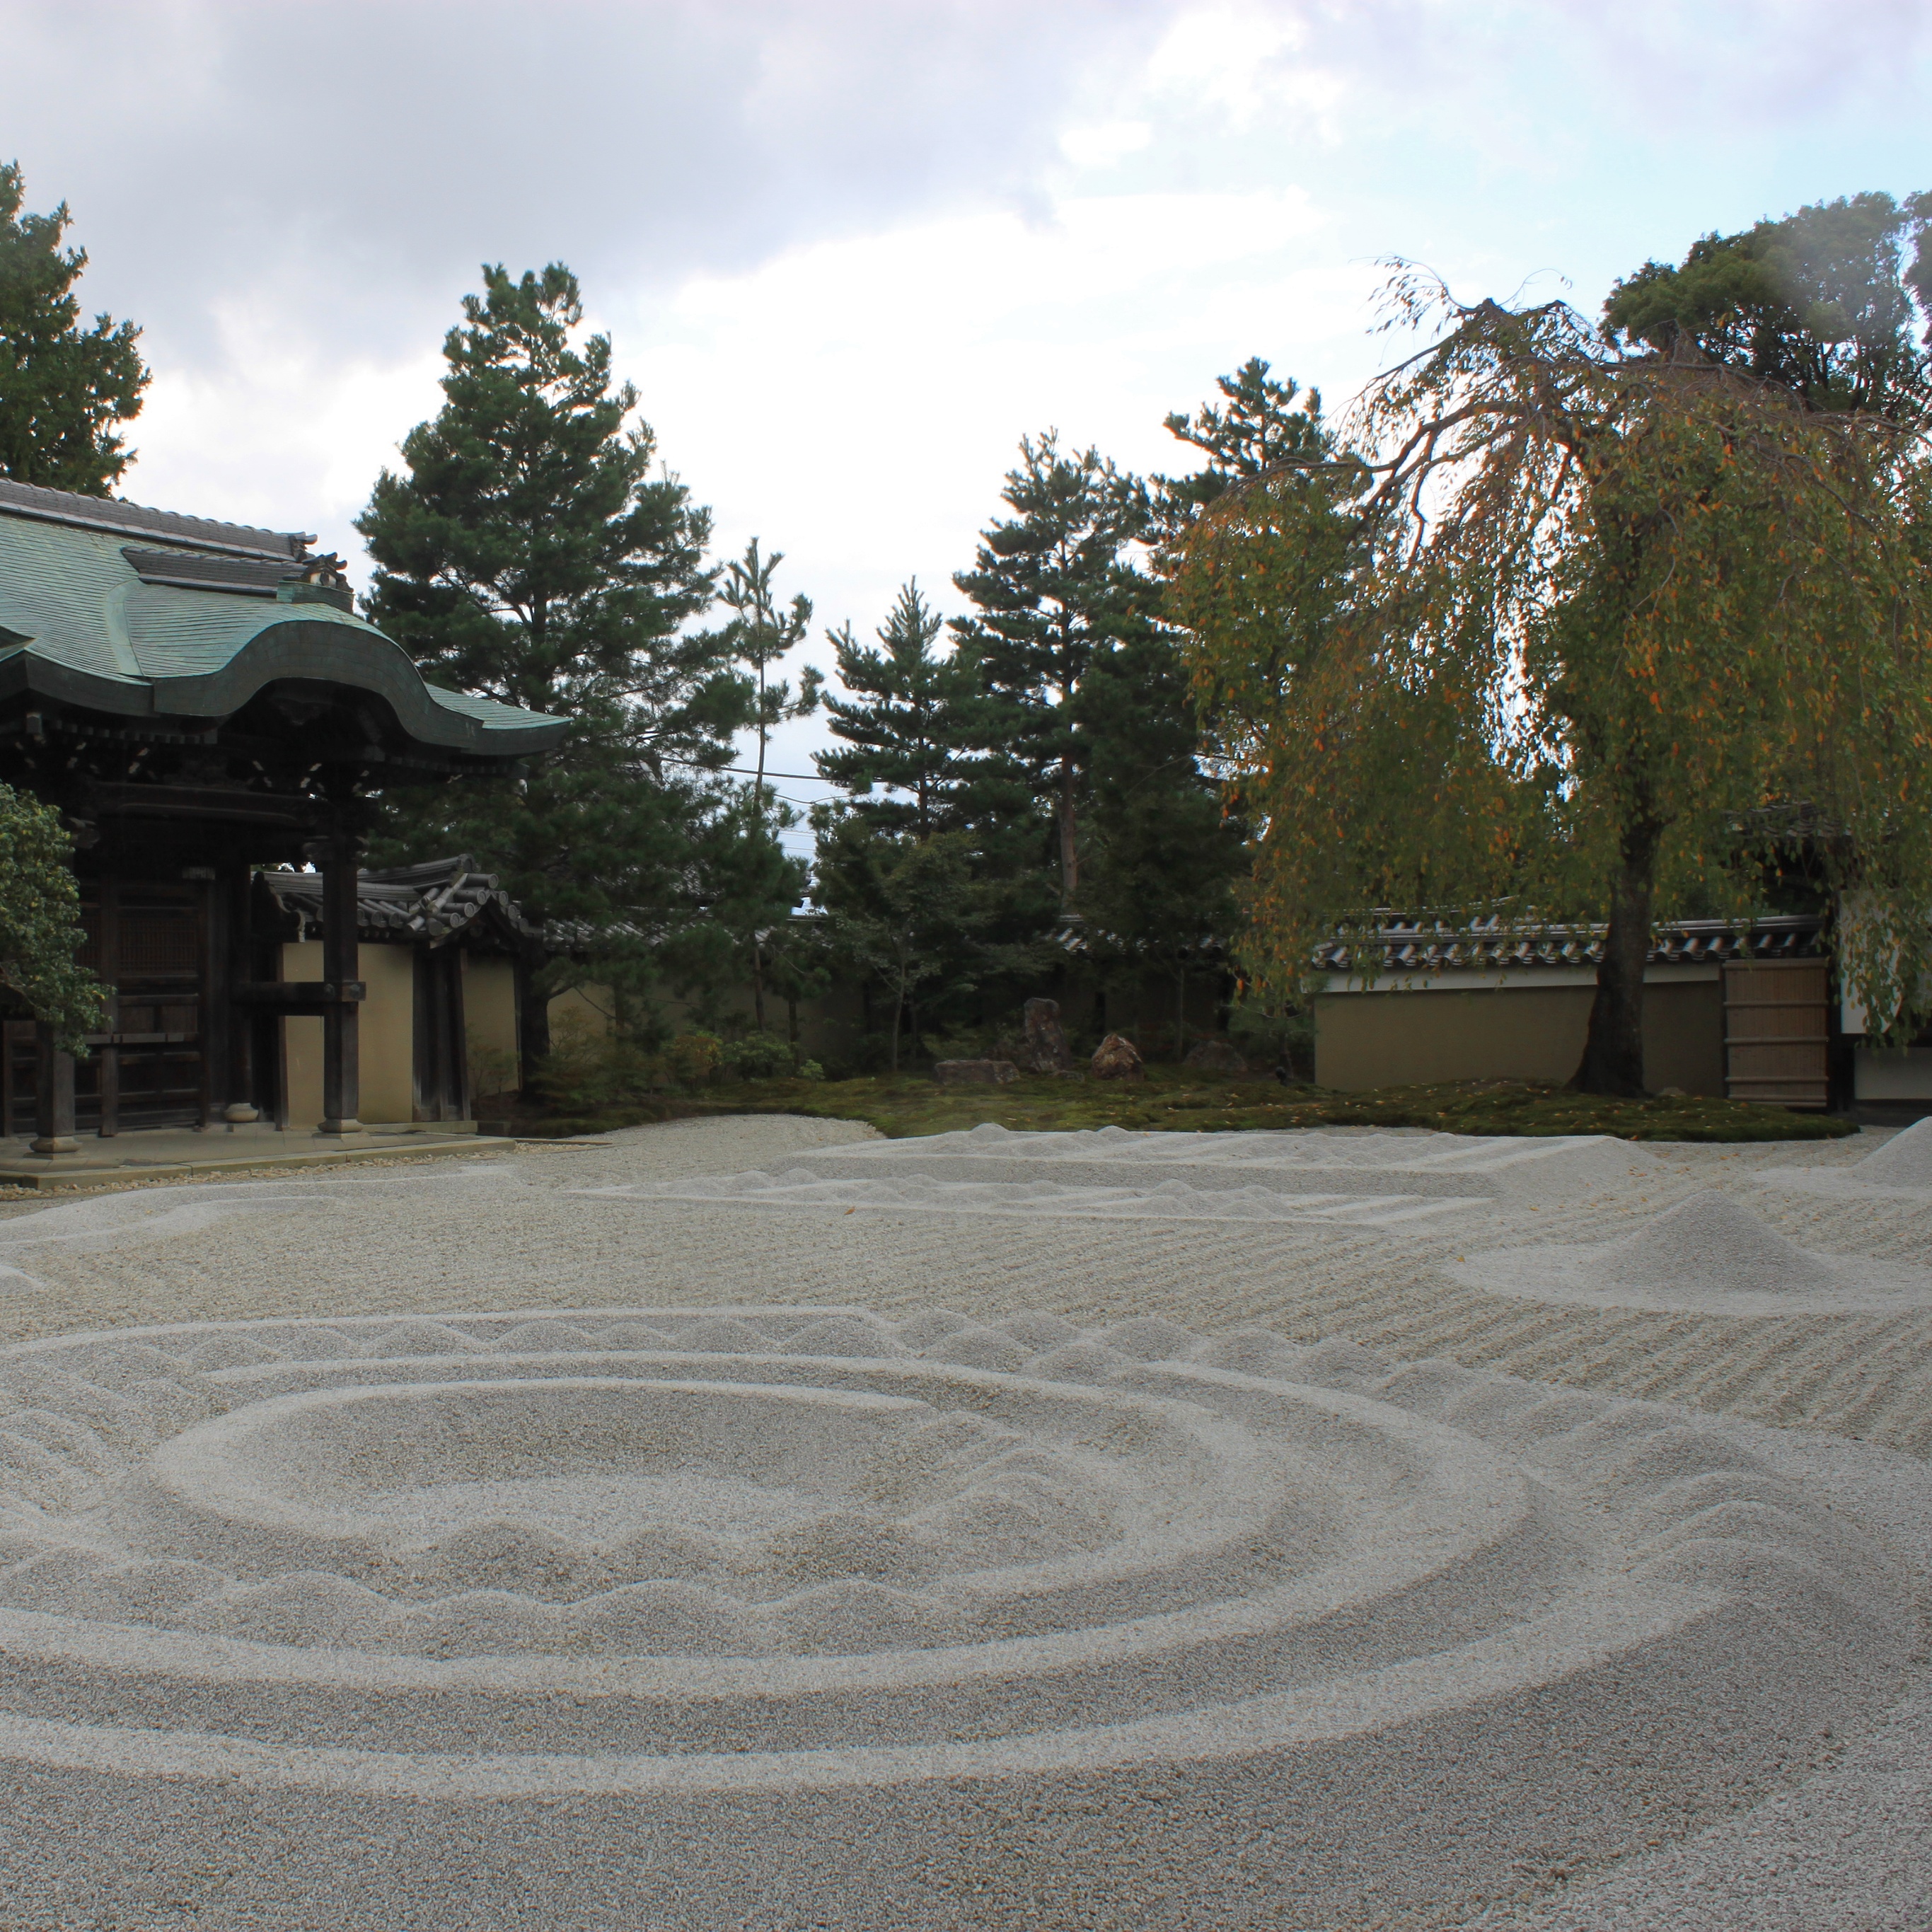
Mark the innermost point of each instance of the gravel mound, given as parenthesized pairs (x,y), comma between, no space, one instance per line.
(1708,1242)
(1904,1161)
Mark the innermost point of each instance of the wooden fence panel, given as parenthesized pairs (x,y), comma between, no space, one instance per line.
(1777,1032)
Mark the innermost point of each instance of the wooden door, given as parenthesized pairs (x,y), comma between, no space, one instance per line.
(1777,1032)
(442,1081)
(148,943)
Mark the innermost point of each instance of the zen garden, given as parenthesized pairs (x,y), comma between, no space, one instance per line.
(1272,1269)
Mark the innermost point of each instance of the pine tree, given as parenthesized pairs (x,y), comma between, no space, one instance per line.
(1259,424)
(1165,857)
(905,724)
(1053,585)
(746,886)
(63,389)
(530,554)
(760,632)
(908,912)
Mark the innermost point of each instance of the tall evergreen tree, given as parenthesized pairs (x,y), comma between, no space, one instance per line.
(1051,585)
(531,553)
(1259,424)
(63,388)
(905,724)
(1165,856)
(908,913)
(761,631)
(744,886)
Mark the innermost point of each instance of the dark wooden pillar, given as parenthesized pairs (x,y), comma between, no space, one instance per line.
(107,1055)
(53,1097)
(457,1032)
(238,1021)
(341,1019)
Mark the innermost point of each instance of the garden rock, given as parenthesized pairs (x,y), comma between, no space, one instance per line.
(1047,1051)
(974,1072)
(1216,1056)
(1116,1058)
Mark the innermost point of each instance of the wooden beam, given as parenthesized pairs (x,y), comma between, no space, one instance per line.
(299,996)
(341,1018)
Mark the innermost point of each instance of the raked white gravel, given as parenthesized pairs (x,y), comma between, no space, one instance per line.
(754,1523)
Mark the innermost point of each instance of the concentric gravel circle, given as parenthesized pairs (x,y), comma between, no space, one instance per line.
(790,1557)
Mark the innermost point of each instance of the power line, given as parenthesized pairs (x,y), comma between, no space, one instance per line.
(749,771)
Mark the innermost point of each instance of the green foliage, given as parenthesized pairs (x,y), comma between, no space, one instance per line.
(63,388)
(590,1066)
(744,885)
(1820,302)
(693,1058)
(531,553)
(1053,586)
(758,1056)
(1183,1100)
(1651,612)
(761,631)
(1272,1037)
(904,909)
(905,726)
(40,931)
(1261,424)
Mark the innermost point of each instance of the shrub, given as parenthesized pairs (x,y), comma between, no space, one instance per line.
(693,1058)
(588,1067)
(492,1073)
(1268,1036)
(758,1056)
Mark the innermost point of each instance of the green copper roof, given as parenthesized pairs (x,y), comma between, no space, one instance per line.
(79,624)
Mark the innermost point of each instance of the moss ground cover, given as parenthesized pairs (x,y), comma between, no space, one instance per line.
(1178,1099)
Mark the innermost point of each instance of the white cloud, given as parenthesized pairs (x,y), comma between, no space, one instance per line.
(1102,145)
(1244,63)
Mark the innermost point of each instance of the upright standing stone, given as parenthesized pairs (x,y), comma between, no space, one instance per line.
(1047,1051)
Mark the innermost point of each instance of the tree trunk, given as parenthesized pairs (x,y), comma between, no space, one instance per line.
(1613,1061)
(1069,857)
(758,981)
(532,1014)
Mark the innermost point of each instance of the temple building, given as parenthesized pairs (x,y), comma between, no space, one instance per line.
(202,703)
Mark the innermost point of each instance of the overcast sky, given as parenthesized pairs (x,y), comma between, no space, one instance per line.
(849,253)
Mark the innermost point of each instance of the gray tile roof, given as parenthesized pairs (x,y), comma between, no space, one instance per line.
(1405,947)
(428,904)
